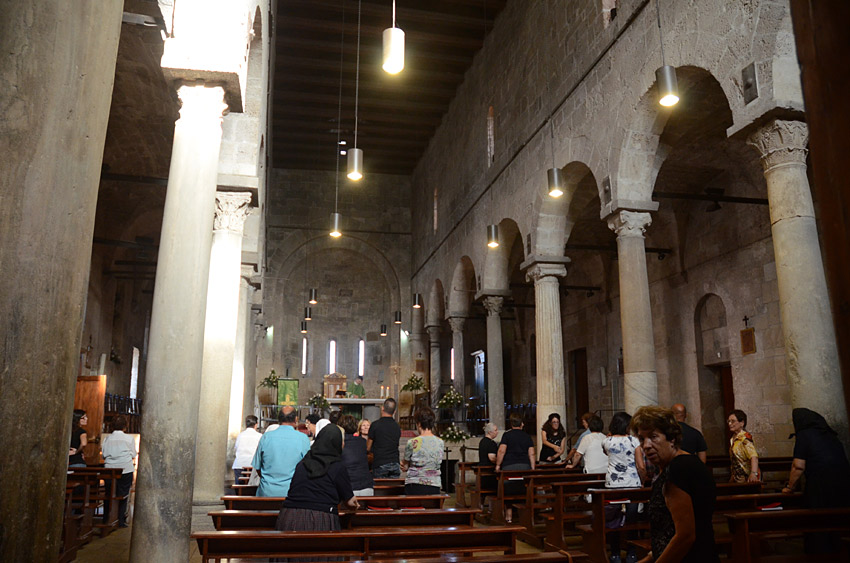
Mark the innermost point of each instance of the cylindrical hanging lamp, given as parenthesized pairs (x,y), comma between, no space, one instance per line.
(397,319)
(383,330)
(308,314)
(303,327)
(493,236)
(393,50)
(556,182)
(355,164)
(668,86)
(417,300)
(335,218)
(314,296)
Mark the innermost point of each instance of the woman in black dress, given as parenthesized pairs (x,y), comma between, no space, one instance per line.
(683,493)
(78,439)
(516,451)
(553,439)
(356,459)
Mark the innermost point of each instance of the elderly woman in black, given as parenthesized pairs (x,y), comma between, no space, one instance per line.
(683,493)
(320,483)
(356,459)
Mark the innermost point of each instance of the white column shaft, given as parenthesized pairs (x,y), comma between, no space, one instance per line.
(436,377)
(495,368)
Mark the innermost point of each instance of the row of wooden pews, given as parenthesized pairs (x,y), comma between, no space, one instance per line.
(91,505)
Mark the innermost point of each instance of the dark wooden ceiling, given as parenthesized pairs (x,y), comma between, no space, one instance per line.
(397,114)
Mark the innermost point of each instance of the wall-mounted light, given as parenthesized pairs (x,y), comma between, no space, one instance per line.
(303,327)
(393,48)
(397,319)
(314,296)
(308,314)
(335,218)
(493,236)
(383,330)
(417,300)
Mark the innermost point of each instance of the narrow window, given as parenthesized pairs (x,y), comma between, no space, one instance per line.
(332,356)
(134,374)
(452,360)
(491,136)
(436,193)
(304,356)
(609,12)
(361,357)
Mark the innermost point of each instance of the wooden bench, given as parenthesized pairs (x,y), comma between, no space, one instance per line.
(388,490)
(747,528)
(774,470)
(70,528)
(107,495)
(390,481)
(239,502)
(83,486)
(245,490)
(360,543)
(516,476)
(567,514)
(266,519)
(544,557)
(460,484)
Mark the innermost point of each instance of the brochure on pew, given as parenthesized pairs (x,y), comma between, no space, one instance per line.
(771,506)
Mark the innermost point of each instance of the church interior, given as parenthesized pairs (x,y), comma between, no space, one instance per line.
(207,202)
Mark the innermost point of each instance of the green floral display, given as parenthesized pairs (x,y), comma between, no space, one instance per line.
(270,381)
(450,399)
(319,402)
(454,434)
(415,383)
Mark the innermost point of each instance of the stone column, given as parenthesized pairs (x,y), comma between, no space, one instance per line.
(495,368)
(163,510)
(239,379)
(436,377)
(639,380)
(219,341)
(457,324)
(55,89)
(418,342)
(811,354)
(551,396)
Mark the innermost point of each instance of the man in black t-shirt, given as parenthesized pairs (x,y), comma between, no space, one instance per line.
(384,435)
(693,441)
(487,447)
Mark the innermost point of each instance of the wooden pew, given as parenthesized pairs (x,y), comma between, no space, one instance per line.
(266,519)
(388,490)
(239,502)
(567,514)
(245,490)
(83,485)
(360,543)
(505,477)
(774,470)
(747,528)
(460,485)
(70,528)
(544,557)
(390,481)
(106,495)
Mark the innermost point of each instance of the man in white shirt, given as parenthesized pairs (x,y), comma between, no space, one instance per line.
(246,445)
(119,450)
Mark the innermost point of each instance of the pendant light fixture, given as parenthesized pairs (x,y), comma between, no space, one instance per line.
(383,330)
(314,296)
(303,327)
(665,75)
(417,300)
(335,216)
(397,319)
(308,314)
(393,48)
(355,155)
(493,236)
(554,174)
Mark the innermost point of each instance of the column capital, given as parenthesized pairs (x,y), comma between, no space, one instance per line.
(541,271)
(433,331)
(629,223)
(781,142)
(457,323)
(231,210)
(493,304)
(198,101)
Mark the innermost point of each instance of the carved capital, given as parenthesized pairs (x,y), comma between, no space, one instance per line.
(493,304)
(781,142)
(433,333)
(629,223)
(231,210)
(539,273)
(199,102)
(457,323)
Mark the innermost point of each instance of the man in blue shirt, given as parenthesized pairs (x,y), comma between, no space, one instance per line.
(278,453)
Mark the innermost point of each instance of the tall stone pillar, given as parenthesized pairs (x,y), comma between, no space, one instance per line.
(239,408)
(495,367)
(163,510)
(58,64)
(219,341)
(640,380)
(418,342)
(436,377)
(811,354)
(457,324)
(551,395)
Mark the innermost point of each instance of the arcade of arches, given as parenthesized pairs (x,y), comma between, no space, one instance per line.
(146,235)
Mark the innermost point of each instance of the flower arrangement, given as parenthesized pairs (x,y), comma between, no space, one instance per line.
(454,434)
(415,383)
(270,381)
(451,399)
(318,402)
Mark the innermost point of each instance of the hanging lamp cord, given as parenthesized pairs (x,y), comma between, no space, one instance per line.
(339,108)
(357,79)
(660,35)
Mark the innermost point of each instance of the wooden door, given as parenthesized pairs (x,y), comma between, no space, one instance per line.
(89,395)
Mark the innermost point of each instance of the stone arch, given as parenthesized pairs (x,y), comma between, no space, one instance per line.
(496,276)
(462,289)
(255,62)
(714,375)
(436,305)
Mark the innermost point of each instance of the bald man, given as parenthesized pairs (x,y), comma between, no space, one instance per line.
(692,439)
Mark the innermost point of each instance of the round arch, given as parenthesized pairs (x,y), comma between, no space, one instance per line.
(496,276)
(462,288)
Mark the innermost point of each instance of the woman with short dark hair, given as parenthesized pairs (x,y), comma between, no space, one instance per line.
(683,493)
(356,459)
(516,451)
(742,450)
(552,435)
(79,439)
(422,457)
(626,469)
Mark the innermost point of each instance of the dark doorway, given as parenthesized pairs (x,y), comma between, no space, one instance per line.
(577,362)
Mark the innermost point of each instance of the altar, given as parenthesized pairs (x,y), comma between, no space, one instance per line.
(368,408)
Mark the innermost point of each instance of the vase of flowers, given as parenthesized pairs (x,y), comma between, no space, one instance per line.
(454,435)
(450,400)
(267,389)
(318,403)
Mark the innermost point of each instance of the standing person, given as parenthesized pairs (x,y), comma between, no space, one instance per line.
(119,451)
(552,435)
(246,446)
(79,440)
(311,421)
(278,453)
(819,454)
(487,447)
(516,451)
(590,449)
(626,469)
(363,428)
(693,441)
(422,457)
(683,494)
(355,458)
(742,450)
(384,435)
(357,389)
(585,419)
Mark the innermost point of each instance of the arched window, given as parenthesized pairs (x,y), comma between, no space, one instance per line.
(452,360)
(361,357)
(332,356)
(304,356)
